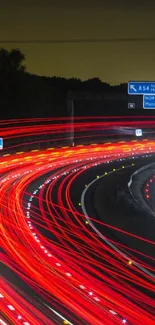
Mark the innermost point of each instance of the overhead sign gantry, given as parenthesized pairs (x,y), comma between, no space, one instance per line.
(146,89)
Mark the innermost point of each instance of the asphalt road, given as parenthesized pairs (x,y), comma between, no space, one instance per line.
(58,257)
(107,200)
(112,203)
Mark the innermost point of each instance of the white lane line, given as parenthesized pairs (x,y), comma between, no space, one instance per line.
(59,315)
(99,233)
(2,322)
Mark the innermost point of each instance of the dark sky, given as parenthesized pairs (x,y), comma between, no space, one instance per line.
(113,62)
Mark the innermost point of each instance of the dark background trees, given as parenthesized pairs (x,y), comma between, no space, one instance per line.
(11,62)
(25,95)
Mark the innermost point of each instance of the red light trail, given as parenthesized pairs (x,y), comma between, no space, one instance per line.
(80,279)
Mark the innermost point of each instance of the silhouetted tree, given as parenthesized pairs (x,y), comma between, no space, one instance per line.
(11,61)
(23,94)
(16,60)
(11,68)
(95,85)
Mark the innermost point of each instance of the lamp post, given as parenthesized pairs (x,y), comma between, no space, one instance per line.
(70,105)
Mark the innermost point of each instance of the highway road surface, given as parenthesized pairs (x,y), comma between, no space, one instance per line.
(56,267)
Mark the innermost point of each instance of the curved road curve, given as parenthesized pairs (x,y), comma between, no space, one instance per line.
(65,273)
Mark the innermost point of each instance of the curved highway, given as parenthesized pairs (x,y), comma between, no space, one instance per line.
(56,269)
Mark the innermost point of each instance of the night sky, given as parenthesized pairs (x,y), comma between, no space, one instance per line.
(113,62)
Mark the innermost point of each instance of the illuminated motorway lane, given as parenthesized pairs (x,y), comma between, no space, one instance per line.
(47,241)
(112,203)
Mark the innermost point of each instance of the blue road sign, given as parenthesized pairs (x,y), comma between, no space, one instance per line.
(141,88)
(1,143)
(149,101)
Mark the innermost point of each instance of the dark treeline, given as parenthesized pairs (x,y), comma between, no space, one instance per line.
(25,95)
